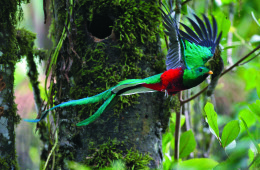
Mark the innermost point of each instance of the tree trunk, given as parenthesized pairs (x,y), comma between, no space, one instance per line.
(8,58)
(108,42)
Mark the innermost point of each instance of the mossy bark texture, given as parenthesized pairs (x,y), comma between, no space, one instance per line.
(88,64)
(8,57)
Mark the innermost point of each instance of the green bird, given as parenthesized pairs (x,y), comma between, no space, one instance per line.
(185,63)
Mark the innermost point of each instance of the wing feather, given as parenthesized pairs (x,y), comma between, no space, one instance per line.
(215,28)
(197,29)
(174,55)
(190,32)
(205,33)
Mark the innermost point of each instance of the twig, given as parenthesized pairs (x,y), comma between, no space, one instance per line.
(249,59)
(239,61)
(186,110)
(178,112)
(44,11)
(177,130)
(183,3)
(196,95)
(52,150)
(177,134)
(224,72)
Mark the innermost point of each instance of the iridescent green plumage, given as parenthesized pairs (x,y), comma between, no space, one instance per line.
(193,77)
(196,55)
(124,87)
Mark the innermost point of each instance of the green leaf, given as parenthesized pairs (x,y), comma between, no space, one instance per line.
(212,119)
(224,165)
(248,117)
(227,1)
(168,163)
(250,136)
(187,143)
(230,132)
(252,13)
(198,164)
(166,141)
(255,108)
(173,119)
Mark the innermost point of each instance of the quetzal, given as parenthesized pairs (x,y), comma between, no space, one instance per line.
(185,63)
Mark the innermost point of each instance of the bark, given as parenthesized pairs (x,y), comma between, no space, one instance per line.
(88,64)
(8,117)
(8,58)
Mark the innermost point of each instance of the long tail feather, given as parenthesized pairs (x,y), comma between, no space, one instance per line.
(32,120)
(125,87)
(88,100)
(98,112)
(44,114)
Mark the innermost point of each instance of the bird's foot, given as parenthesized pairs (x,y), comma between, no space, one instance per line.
(166,93)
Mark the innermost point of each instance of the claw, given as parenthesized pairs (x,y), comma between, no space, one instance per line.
(166,93)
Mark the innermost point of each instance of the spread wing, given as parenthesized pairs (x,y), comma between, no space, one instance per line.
(203,34)
(174,56)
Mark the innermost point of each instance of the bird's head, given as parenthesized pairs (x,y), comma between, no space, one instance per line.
(193,77)
(201,71)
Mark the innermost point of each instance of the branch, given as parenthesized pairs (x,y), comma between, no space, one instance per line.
(186,110)
(177,134)
(44,11)
(183,3)
(226,71)
(178,112)
(239,61)
(249,59)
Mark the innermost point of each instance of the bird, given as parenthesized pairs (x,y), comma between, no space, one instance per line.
(185,67)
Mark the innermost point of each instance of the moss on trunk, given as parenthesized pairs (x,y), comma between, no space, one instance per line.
(8,57)
(88,64)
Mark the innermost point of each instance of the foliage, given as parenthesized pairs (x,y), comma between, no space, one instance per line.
(107,155)
(212,119)
(198,163)
(232,115)
(187,143)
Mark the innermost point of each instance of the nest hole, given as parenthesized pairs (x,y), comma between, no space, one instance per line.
(100,26)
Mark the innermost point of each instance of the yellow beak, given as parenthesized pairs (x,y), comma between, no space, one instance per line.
(210,72)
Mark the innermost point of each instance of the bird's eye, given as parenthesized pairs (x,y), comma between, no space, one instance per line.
(200,69)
